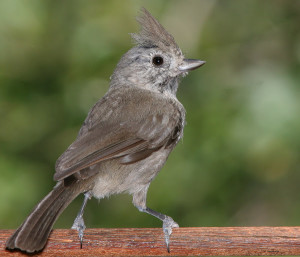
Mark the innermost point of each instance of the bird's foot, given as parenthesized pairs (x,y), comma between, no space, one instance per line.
(80,227)
(168,224)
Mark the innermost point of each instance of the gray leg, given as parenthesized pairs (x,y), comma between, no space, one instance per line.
(139,201)
(168,223)
(79,222)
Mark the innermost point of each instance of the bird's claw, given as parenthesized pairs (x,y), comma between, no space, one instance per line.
(80,227)
(168,224)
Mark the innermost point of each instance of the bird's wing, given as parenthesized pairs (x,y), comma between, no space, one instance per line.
(131,132)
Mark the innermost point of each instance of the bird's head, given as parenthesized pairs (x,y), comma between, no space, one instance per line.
(155,62)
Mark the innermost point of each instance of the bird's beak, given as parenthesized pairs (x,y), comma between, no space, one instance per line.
(190,64)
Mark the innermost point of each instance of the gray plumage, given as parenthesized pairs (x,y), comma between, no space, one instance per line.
(150,31)
(125,139)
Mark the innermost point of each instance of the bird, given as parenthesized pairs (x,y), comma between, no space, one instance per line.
(125,139)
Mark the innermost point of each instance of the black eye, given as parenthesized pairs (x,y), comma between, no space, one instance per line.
(157,60)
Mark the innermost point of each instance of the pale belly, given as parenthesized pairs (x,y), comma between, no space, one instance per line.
(115,178)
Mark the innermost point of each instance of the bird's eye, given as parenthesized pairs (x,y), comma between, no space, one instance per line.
(157,60)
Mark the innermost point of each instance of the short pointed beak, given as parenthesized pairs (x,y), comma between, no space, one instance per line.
(190,64)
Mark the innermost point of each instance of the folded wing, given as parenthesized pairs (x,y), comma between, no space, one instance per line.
(131,133)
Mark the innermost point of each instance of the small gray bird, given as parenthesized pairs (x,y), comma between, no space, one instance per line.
(125,139)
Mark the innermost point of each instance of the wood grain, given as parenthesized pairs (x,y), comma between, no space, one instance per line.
(205,241)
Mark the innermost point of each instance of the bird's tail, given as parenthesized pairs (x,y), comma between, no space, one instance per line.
(32,235)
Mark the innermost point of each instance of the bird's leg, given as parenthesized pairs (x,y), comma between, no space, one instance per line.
(79,222)
(168,223)
(139,201)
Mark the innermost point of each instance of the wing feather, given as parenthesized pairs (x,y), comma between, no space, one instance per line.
(131,137)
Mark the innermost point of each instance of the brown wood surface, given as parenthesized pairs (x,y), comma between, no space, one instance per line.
(205,241)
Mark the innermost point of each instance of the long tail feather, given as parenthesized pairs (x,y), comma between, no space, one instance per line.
(32,235)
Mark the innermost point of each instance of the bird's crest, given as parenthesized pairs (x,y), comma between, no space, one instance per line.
(152,33)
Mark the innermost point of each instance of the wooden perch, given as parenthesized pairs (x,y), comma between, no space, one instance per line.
(205,241)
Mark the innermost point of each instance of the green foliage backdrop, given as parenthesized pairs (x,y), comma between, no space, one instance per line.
(239,160)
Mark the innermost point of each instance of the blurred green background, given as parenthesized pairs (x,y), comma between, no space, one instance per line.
(238,164)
